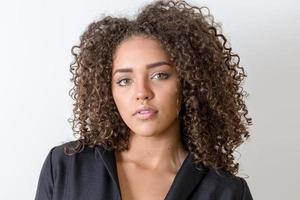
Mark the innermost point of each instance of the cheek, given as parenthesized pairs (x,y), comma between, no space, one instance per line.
(121,103)
(171,100)
(117,99)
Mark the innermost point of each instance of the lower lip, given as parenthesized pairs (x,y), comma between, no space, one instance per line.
(147,115)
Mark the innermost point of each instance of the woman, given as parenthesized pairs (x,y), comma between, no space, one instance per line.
(158,110)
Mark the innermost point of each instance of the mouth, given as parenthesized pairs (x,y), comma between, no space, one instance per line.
(145,112)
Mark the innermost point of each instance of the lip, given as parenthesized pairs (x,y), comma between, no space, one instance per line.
(145,112)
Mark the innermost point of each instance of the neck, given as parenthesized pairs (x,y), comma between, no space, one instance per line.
(164,151)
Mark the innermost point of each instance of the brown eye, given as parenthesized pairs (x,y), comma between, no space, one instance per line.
(162,76)
(123,82)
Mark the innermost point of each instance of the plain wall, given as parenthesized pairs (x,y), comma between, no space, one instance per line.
(36,37)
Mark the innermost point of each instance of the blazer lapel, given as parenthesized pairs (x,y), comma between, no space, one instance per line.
(186,179)
(109,161)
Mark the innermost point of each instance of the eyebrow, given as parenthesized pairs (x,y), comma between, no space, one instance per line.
(148,66)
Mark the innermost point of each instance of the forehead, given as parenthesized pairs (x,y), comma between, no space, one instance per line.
(138,50)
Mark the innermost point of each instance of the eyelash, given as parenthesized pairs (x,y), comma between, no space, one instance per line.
(166,76)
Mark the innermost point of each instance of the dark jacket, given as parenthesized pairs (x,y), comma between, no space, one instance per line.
(92,175)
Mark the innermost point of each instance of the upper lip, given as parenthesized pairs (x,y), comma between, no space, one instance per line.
(145,108)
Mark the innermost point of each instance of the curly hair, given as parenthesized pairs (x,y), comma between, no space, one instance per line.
(213,115)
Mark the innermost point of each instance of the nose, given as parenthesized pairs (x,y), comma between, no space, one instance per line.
(143,91)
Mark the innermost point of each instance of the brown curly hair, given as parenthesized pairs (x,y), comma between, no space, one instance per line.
(213,115)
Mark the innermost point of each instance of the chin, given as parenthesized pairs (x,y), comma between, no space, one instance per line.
(144,133)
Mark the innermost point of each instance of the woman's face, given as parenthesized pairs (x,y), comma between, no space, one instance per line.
(143,77)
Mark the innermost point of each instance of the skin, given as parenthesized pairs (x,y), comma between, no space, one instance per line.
(155,148)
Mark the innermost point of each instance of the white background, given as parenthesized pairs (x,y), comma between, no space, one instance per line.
(35,41)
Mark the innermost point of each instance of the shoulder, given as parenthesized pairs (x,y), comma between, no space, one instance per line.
(62,161)
(62,157)
(223,184)
(71,150)
(223,178)
(67,149)
(61,169)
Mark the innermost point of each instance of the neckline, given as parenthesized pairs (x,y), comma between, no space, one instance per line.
(184,160)
(185,180)
(173,184)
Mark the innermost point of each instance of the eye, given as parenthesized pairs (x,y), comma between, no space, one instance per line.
(162,75)
(123,82)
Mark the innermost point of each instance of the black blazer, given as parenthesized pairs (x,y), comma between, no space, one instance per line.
(92,175)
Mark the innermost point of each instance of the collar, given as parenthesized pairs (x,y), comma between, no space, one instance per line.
(186,179)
